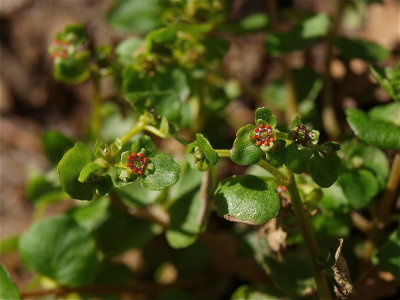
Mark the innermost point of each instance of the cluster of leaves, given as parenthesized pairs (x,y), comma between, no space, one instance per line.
(170,77)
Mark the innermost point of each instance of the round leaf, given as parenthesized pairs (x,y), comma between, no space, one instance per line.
(325,170)
(266,115)
(359,186)
(244,151)
(166,173)
(185,225)
(55,144)
(247,199)
(297,160)
(375,132)
(60,249)
(69,169)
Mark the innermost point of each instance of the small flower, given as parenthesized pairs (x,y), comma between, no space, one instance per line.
(137,162)
(301,135)
(59,49)
(264,136)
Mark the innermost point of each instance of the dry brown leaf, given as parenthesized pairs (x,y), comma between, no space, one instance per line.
(344,287)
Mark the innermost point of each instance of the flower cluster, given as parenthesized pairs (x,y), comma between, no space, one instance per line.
(137,163)
(263,135)
(301,135)
(59,49)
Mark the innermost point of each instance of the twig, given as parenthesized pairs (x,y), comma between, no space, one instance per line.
(311,242)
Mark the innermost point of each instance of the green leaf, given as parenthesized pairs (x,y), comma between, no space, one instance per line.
(134,195)
(387,256)
(76,34)
(362,49)
(186,211)
(388,79)
(93,175)
(165,104)
(74,69)
(247,199)
(55,144)
(257,21)
(58,248)
(207,149)
(368,157)
(166,173)
(40,190)
(188,181)
(276,155)
(265,114)
(166,79)
(334,199)
(244,151)
(297,160)
(136,15)
(91,215)
(143,143)
(69,169)
(301,36)
(325,170)
(121,231)
(185,221)
(379,133)
(387,112)
(126,50)
(328,226)
(359,186)
(247,292)
(8,289)
(88,171)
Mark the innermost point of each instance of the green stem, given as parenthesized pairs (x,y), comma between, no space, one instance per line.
(135,130)
(226,153)
(95,116)
(155,131)
(309,237)
(223,153)
(274,171)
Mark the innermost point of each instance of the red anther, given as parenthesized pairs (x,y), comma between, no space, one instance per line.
(140,154)
(266,143)
(133,170)
(271,139)
(128,165)
(134,154)
(140,172)
(145,159)
(256,129)
(254,137)
(258,143)
(261,126)
(268,126)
